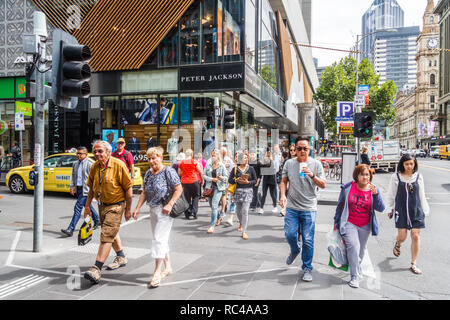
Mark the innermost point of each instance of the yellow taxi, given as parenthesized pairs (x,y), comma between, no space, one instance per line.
(57,174)
(444,152)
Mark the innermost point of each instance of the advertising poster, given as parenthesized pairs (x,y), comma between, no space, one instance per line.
(232,34)
(144,111)
(219,27)
(111,135)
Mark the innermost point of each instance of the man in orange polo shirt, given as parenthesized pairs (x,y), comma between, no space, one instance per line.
(110,183)
(188,169)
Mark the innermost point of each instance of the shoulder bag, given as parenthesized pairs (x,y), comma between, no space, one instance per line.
(232,186)
(180,206)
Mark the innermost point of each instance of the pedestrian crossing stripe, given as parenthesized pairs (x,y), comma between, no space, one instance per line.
(20,284)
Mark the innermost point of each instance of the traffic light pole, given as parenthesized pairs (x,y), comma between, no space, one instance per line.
(358,156)
(39,146)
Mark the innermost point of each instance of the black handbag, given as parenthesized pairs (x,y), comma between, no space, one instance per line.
(180,206)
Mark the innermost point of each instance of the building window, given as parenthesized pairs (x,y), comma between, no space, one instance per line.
(432,79)
(233,29)
(190,36)
(432,99)
(431,19)
(168,49)
(210,39)
(250,33)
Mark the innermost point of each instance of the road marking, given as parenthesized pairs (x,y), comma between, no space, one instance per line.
(12,251)
(162,284)
(433,167)
(134,221)
(439,204)
(20,284)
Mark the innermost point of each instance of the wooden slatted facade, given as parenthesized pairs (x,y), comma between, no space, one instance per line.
(67,14)
(286,57)
(123,34)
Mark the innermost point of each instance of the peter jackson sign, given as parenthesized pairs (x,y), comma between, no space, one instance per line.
(228,76)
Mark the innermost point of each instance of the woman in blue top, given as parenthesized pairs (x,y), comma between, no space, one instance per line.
(158,181)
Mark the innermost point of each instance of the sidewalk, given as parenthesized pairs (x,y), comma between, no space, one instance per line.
(219,266)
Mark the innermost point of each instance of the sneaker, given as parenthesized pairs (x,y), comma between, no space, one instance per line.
(93,275)
(354,283)
(260,210)
(67,232)
(117,263)
(307,276)
(275,210)
(291,258)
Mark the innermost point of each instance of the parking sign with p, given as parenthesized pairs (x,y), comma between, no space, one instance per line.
(345,108)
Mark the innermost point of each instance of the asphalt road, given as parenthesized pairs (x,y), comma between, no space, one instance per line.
(221,266)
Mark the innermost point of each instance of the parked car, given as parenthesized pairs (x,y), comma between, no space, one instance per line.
(434,152)
(444,152)
(420,153)
(57,174)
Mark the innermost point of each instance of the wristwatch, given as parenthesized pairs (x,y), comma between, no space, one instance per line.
(313,176)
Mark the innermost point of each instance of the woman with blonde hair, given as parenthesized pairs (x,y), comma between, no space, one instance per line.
(216,179)
(159,180)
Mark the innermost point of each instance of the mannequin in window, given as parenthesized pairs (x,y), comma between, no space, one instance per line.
(172,148)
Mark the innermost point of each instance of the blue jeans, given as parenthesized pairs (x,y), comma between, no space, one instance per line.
(214,202)
(81,201)
(293,220)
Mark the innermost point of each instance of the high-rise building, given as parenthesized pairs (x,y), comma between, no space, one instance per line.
(394,56)
(382,14)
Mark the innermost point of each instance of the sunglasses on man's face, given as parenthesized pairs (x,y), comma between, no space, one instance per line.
(302,148)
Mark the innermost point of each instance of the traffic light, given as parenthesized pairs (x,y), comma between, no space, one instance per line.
(228,119)
(71,73)
(325,141)
(363,125)
(210,121)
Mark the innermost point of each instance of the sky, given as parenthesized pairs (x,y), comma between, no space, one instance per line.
(335,24)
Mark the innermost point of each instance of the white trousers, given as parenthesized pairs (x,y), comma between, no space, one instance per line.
(161,225)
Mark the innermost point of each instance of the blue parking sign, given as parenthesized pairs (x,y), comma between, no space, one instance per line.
(345,108)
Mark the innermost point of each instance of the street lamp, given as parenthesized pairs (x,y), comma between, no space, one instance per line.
(358,40)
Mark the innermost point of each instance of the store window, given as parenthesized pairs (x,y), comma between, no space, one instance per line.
(233,29)
(250,33)
(110,120)
(168,55)
(190,36)
(140,125)
(210,39)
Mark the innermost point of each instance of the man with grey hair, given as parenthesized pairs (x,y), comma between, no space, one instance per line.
(78,187)
(110,183)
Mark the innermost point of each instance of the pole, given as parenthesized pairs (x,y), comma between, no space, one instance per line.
(39,149)
(356,92)
(21,148)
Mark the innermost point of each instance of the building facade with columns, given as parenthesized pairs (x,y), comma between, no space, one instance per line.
(417,124)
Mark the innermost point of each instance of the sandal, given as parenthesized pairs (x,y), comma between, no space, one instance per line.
(166,272)
(218,221)
(396,250)
(156,280)
(414,269)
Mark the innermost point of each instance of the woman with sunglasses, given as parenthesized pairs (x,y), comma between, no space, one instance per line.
(290,155)
(407,202)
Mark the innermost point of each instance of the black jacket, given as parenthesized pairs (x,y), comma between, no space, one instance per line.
(252,177)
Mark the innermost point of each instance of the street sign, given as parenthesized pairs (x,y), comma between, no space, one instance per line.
(345,108)
(345,130)
(337,119)
(360,100)
(19,124)
(24,107)
(363,90)
(346,124)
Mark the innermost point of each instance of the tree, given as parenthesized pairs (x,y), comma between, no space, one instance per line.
(339,84)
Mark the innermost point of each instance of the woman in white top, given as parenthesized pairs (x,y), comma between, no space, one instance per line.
(407,202)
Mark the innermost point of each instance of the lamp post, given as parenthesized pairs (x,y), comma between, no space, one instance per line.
(358,40)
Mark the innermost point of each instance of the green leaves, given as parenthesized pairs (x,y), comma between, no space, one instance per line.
(339,84)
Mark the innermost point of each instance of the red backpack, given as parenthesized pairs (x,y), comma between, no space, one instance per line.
(123,157)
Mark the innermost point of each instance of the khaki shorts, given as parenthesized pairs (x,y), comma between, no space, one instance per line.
(110,219)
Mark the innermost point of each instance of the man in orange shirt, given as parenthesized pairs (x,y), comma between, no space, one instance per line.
(190,181)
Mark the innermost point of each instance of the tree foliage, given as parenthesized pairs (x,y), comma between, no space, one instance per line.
(339,84)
